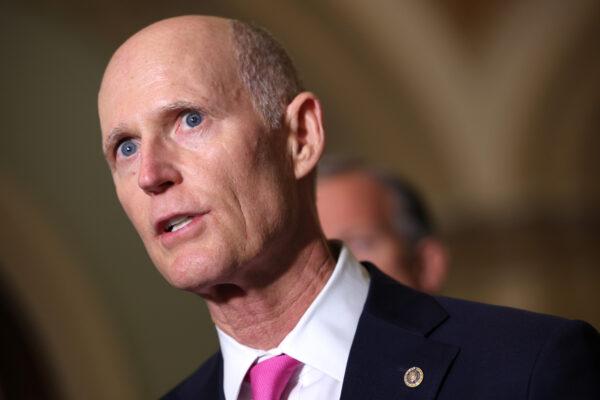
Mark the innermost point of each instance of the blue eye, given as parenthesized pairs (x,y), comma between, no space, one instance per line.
(193,119)
(128,148)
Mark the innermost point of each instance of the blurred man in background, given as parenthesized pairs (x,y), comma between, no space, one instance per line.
(382,219)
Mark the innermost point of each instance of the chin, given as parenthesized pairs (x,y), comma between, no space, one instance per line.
(181,282)
(194,273)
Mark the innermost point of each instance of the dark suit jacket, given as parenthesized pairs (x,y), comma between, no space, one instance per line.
(466,350)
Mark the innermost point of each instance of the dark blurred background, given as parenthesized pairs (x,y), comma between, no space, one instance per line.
(491,107)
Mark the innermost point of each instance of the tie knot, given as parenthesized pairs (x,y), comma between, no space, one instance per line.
(269,378)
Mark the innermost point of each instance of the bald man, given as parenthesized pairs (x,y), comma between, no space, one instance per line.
(213,144)
(382,219)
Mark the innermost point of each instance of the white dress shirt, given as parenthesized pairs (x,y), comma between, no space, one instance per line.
(321,340)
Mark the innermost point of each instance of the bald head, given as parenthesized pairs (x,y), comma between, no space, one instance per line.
(179,33)
(176,40)
(251,54)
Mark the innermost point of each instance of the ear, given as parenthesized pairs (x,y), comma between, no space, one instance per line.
(306,137)
(432,264)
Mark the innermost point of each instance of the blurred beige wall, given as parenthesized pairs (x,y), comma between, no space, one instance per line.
(491,107)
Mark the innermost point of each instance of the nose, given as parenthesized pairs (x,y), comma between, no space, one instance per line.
(157,172)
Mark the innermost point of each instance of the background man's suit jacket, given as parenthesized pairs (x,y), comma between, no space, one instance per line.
(466,350)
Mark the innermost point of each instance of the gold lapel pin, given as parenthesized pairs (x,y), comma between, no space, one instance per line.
(413,377)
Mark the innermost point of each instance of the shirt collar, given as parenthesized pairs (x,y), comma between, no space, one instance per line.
(323,336)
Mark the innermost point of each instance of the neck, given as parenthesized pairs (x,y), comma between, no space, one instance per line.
(261,316)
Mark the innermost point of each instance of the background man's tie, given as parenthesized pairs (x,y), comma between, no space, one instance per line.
(269,378)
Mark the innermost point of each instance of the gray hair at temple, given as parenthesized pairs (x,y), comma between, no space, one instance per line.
(411,218)
(266,70)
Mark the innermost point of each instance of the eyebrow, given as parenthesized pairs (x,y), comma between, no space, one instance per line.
(115,135)
(121,129)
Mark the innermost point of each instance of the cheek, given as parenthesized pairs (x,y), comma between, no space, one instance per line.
(126,173)
(266,203)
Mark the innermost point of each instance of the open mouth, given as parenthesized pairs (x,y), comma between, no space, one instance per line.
(177,223)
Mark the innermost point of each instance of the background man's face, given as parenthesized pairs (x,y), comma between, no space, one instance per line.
(194,167)
(359,211)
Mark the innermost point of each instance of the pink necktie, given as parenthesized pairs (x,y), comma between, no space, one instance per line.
(269,378)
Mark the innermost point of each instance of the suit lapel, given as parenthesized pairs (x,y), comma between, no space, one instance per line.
(206,383)
(212,387)
(392,336)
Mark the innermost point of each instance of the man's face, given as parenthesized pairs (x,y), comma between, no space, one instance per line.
(197,172)
(358,210)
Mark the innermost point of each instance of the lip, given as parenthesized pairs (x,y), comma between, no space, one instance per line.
(171,239)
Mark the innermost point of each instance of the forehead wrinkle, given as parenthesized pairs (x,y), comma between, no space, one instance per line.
(179,105)
(176,106)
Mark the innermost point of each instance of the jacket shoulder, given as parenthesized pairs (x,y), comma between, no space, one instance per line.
(470,314)
(537,356)
(492,329)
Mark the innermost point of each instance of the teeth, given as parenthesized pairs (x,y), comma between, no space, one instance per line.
(178,223)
